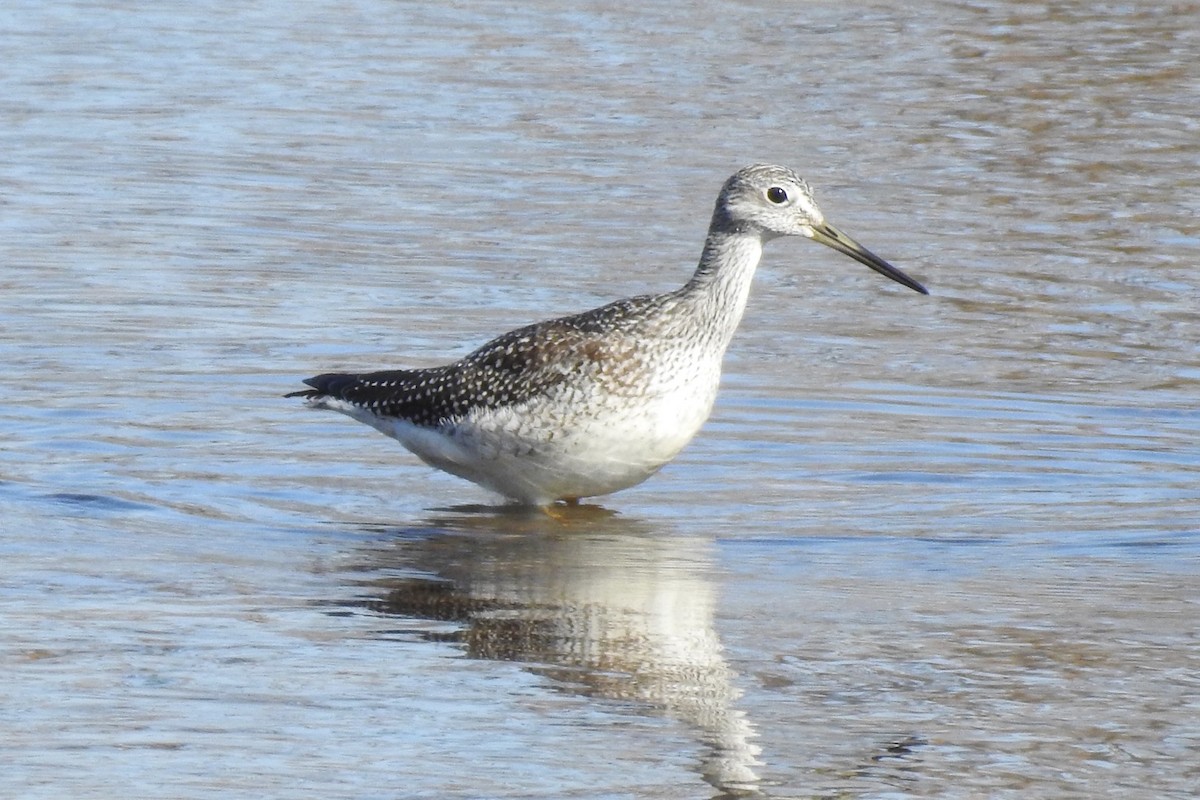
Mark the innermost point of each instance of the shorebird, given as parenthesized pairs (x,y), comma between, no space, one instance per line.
(593,403)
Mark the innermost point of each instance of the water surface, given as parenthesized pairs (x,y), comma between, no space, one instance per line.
(936,546)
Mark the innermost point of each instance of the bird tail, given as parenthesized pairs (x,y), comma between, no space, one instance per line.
(330,384)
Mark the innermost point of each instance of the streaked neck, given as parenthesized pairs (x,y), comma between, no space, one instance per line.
(720,286)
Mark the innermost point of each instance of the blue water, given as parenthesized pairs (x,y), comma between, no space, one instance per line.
(931,547)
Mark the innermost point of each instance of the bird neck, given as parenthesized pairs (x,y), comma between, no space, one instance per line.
(720,286)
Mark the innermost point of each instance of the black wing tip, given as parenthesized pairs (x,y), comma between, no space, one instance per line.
(330,384)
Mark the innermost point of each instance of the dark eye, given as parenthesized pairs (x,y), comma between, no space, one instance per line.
(776,195)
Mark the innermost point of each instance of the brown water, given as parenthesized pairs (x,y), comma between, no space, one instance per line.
(932,547)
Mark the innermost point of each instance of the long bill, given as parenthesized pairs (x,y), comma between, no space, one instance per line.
(830,236)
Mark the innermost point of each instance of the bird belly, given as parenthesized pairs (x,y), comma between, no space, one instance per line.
(544,450)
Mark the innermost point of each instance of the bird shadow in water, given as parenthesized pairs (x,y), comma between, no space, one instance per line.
(611,608)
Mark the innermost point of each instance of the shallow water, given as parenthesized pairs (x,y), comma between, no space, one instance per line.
(934,547)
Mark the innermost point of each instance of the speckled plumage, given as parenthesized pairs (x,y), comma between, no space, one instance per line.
(592,403)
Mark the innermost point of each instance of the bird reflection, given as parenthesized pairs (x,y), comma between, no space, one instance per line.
(612,608)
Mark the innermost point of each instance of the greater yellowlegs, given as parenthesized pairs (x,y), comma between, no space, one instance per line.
(593,403)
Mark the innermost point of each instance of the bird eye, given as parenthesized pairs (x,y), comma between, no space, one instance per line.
(776,195)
